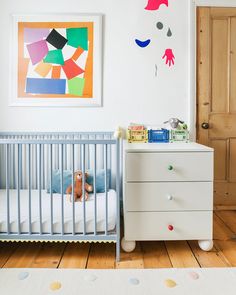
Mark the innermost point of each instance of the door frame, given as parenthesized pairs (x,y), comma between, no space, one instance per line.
(192,117)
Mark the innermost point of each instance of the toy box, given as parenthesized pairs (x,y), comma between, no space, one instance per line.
(138,136)
(179,135)
(161,135)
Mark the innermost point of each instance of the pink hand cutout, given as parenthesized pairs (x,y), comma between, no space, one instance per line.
(169,57)
(155,4)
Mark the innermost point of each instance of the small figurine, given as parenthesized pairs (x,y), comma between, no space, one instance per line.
(174,123)
(118,133)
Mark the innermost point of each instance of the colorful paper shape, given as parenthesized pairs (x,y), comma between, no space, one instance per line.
(45,86)
(77,37)
(169,33)
(43,69)
(159,25)
(76,86)
(32,35)
(71,69)
(77,53)
(142,43)
(56,39)
(37,51)
(54,57)
(155,4)
(56,72)
(169,57)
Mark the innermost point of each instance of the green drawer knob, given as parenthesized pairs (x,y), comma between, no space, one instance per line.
(170,167)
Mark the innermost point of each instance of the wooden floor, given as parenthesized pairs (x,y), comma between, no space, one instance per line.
(146,254)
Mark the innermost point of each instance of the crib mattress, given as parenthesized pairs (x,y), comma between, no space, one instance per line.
(46,212)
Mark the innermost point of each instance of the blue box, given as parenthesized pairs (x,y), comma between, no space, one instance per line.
(161,135)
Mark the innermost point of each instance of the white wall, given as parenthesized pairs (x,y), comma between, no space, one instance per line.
(131,92)
(224,3)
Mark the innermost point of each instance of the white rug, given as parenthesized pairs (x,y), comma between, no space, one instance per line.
(118,282)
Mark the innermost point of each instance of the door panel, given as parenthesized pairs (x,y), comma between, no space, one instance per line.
(232,103)
(216,96)
(219,65)
(220,159)
(222,125)
(232,154)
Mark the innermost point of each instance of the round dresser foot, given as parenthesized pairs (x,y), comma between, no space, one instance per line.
(128,246)
(205,245)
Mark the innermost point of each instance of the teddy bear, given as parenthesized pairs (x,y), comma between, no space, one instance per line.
(78,188)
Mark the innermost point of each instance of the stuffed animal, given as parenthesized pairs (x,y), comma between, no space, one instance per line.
(174,123)
(78,187)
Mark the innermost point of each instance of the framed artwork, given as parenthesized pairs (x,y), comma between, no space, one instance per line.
(56,60)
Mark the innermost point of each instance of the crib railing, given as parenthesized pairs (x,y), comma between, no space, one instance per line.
(28,162)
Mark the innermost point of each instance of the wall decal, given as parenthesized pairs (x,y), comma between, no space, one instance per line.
(159,25)
(155,70)
(57,60)
(142,43)
(169,33)
(169,57)
(155,4)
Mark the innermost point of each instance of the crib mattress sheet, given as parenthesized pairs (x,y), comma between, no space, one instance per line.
(46,212)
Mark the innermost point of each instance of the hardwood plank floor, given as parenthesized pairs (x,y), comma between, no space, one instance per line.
(146,255)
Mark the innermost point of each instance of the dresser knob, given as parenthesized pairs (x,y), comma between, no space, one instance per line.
(170,167)
(170,227)
(169,197)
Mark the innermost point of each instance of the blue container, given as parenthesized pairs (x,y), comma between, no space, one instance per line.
(161,135)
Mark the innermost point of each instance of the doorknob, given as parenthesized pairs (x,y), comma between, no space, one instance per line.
(205,125)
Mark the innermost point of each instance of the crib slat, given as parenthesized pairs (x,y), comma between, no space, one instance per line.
(40,188)
(36,165)
(118,200)
(83,189)
(94,189)
(29,175)
(14,165)
(18,186)
(72,193)
(51,194)
(62,192)
(43,165)
(105,165)
(7,187)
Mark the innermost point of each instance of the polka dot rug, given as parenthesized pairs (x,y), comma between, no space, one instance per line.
(118,282)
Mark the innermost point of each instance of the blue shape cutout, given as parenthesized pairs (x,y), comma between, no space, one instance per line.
(23,275)
(134,281)
(142,43)
(45,86)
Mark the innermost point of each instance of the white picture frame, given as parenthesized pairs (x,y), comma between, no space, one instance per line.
(23,77)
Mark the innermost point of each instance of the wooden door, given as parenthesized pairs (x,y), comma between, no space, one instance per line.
(216,96)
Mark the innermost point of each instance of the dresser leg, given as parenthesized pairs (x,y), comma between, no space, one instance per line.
(128,246)
(205,245)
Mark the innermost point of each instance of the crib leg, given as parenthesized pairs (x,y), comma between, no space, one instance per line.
(118,250)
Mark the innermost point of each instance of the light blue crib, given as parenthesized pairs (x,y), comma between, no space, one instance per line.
(31,209)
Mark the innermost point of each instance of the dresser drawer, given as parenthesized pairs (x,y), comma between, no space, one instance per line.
(154,226)
(188,166)
(169,196)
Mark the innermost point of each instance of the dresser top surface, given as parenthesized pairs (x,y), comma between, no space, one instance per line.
(166,147)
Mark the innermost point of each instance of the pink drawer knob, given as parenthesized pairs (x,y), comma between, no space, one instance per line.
(170,227)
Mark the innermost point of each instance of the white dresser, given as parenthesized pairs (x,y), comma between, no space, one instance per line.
(168,193)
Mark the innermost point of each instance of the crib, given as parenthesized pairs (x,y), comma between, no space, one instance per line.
(35,169)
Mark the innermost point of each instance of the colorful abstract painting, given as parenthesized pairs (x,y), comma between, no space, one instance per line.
(57,60)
